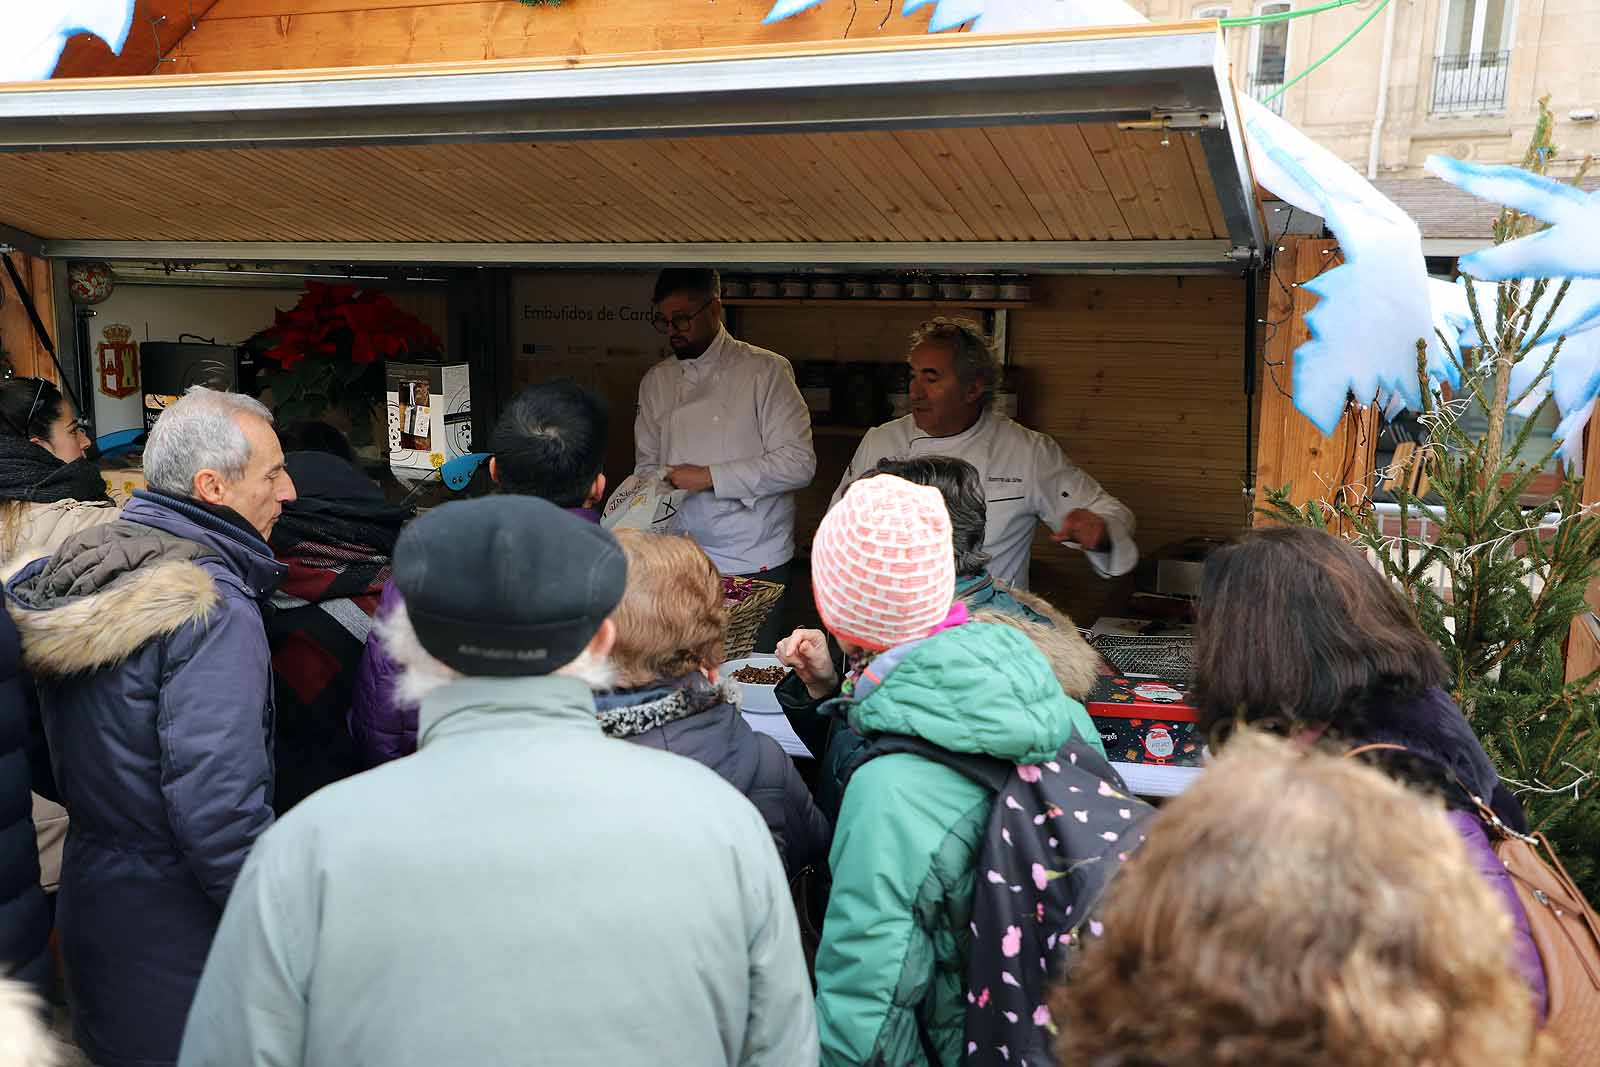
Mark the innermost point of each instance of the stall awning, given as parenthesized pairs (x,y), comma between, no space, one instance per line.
(1085,148)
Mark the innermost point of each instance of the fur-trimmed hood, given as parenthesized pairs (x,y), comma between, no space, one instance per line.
(1075,664)
(630,713)
(105,594)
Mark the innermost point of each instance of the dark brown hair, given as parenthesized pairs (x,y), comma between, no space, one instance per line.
(1295,626)
(1294,909)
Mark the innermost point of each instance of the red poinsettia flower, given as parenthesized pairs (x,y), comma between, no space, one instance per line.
(334,321)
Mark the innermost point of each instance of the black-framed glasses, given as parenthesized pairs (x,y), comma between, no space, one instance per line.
(679,323)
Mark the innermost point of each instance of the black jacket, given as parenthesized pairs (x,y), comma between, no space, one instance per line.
(691,717)
(24,911)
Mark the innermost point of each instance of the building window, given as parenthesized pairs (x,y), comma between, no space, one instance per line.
(1269,56)
(1469,71)
(1212,11)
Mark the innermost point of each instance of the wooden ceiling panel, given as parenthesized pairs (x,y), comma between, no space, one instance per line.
(1037,183)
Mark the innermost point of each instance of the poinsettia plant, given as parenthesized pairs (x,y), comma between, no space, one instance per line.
(328,351)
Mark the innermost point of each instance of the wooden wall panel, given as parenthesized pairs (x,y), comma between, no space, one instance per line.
(17,339)
(158,26)
(1292,451)
(1583,639)
(1140,379)
(301,34)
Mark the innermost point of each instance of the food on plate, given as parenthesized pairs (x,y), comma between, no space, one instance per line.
(760,675)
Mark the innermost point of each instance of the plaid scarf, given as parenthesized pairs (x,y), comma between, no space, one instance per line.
(323,616)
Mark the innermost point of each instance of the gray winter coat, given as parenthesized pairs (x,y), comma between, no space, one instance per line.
(145,636)
(693,718)
(520,891)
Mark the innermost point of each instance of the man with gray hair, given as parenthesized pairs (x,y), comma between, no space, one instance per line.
(523,889)
(1026,477)
(145,637)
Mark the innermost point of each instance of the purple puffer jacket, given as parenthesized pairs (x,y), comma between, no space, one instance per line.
(1524,952)
(1431,726)
(383,728)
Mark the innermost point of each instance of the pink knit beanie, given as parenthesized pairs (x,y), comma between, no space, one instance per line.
(882,568)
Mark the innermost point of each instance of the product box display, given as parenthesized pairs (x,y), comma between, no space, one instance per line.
(1149,732)
(121,482)
(430,415)
(171,367)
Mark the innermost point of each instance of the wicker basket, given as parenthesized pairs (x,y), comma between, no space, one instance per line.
(746,616)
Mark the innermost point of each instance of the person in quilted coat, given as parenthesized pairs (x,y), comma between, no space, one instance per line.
(146,639)
(669,644)
(892,964)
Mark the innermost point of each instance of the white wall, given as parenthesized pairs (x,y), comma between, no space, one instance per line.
(162,312)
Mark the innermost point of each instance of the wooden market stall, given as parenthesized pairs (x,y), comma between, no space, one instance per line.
(1107,165)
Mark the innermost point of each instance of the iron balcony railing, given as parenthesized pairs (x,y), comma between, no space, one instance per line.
(1475,81)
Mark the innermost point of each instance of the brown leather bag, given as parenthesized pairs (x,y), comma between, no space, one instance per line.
(1565,930)
(1567,933)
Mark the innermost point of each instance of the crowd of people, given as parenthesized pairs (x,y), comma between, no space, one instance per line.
(338,784)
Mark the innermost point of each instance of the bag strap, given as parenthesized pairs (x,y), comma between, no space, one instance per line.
(1485,812)
(986,771)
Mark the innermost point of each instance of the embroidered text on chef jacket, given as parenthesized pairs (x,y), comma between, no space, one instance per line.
(735,409)
(1026,479)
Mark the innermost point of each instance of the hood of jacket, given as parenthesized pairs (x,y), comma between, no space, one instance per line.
(981,688)
(630,712)
(1075,665)
(688,716)
(1430,725)
(114,587)
(241,550)
(107,592)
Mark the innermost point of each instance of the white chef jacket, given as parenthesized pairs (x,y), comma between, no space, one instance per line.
(1026,479)
(735,409)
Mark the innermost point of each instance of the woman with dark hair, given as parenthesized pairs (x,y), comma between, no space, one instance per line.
(1298,633)
(48,491)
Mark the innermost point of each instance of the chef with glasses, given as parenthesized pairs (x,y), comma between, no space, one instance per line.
(725,421)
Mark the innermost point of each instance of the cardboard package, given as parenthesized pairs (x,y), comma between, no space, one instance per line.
(121,482)
(430,415)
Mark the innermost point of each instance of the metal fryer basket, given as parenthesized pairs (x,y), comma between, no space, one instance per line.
(1167,658)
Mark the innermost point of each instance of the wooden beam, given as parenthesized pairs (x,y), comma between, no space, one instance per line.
(21,346)
(1583,638)
(1292,452)
(158,27)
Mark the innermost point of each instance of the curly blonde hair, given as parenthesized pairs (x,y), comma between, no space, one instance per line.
(670,620)
(1298,909)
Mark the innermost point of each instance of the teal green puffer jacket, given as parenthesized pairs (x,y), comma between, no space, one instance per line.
(891,968)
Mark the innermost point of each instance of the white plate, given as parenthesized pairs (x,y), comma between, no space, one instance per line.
(761,708)
(756,699)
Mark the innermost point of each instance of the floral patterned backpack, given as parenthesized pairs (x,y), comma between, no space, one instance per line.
(1057,834)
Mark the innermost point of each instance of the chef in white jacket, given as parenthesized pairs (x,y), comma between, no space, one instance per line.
(726,421)
(1027,479)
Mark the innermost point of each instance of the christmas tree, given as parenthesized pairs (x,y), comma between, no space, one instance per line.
(1506,575)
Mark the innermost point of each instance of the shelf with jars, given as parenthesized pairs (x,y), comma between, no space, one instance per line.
(872,302)
(985,291)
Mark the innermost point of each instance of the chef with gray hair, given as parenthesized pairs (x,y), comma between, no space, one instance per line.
(1027,479)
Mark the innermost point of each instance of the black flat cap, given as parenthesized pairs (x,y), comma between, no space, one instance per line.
(507,586)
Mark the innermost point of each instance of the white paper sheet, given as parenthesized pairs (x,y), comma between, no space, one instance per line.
(776,726)
(1154,780)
